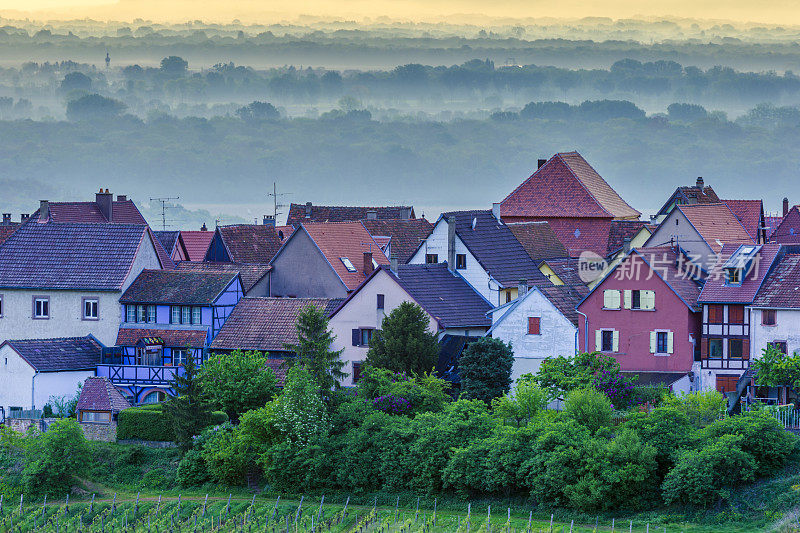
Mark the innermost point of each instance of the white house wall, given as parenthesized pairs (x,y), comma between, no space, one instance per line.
(786,329)
(684,235)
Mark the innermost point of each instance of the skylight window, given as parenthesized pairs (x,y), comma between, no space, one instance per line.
(348,264)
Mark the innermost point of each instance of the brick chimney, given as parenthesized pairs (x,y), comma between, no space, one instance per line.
(269,220)
(308,209)
(451,243)
(122,198)
(541,163)
(44,210)
(368,268)
(24,217)
(6,219)
(701,184)
(785,206)
(204,227)
(105,202)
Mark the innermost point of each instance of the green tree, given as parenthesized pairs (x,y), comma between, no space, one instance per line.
(485,369)
(589,407)
(94,106)
(313,349)
(54,458)
(776,369)
(523,403)
(174,65)
(238,381)
(404,344)
(189,410)
(256,111)
(299,414)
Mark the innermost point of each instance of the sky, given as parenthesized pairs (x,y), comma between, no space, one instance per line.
(766,11)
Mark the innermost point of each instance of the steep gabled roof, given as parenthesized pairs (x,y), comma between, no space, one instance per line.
(70,256)
(250,273)
(266,324)
(305,213)
(99,394)
(250,243)
(406,235)
(538,239)
(716,224)
(168,239)
(772,223)
(337,240)
(494,246)
(174,338)
(620,230)
(716,290)
(781,289)
(177,287)
(197,243)
(694,194)
(60,354)
(566,186)
(788,231)
(749,213)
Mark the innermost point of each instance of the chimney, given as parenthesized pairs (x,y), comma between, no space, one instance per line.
(122,198)
(24,217)
(368,268)
(308,209)
(522,288)
(105,201)
(406,214)
(451,243)
(204,227)
(496,211)
(393,264)
(44,210)
(372,215)
(269,220)
(541,163)
(700,183)
(6,219)
(785,206)
(626,245)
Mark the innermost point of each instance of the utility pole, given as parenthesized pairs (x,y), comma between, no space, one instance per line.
(163,201)
(275,194)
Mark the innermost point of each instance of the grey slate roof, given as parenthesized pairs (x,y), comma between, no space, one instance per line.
(167,239)
(99,394)
(178,287)
(69,256)
(60,354)
(443,294)
(495,247)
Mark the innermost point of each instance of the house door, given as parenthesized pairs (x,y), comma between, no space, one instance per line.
(726,383)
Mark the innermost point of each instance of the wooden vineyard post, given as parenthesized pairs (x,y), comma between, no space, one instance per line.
(551,523)
(630,526)
(299,508)
(21,497)
(91,505)
(489,519)
(319,514)
(158,505)
(205,502)
(416,511)
(275,507)
(228,507)
(66,505)
(469,512)
(570,525)
(530,519)
(396,505)
(136,507)
(44,505)
(1,503)
(612,525)
(179,506)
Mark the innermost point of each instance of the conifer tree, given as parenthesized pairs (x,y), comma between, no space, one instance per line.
(190,409)
(404,344)
(313,349)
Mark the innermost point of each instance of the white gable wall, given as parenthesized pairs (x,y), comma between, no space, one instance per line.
(786,329)
(557,334)
(361,311)
(474,274)
(676,229)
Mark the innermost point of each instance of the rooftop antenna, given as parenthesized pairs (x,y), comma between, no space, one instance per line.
(275,194)
(163,201)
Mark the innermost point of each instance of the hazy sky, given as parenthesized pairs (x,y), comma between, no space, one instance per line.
(769,11)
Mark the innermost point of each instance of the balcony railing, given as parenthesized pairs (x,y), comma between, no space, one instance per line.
(120,374)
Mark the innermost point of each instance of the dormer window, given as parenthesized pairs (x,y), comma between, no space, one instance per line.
(347,264)
(734,276)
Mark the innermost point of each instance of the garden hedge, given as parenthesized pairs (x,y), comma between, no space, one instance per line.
(149,422)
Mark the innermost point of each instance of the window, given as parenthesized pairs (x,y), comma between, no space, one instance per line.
(534,323)
(661,342)
(179,357)
(41,307)
(347,264)
(611,299)
(782,346)
(508,296)
(356,371)
(636,300)
(130,313)
(381,301)
(715,314)
(735,348)
(149,356)
(153,397)
(734,276)
(175,315)
(99,417)
(461,261)
(151,313)
(639,299)
(768,317)
(607,344)
(196,315)
(141,313)
(1,305)
(431,258)
(186,315)
(362,336)
(735,314)
(90,309)
(715,348)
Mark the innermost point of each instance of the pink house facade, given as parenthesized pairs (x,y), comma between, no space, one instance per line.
(645,314)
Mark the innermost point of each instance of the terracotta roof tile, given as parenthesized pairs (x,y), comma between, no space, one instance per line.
(700,195)
(565,298)
(250,243)
(781,289)
(99,394)
(716,224)
(566,186)
(749,214)
(349,240)
(336,213)
(251,273)
(197,243)
(788,231)
(583,234)
(538,239)
(772,223)
(266,324)
(715,290)
(7,230)
(174,338)
(620,230)
(406,235)
(60,354)
(177,287)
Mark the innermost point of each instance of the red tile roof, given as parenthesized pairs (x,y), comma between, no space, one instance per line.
(250,243)
(566,186)
(772,223)
(716,290)
(349,240)
(620,230)
(251,273)
(716,224)
(99,394)
(337,213)
(749,213)
(284,232)
(788,231)
(197,243)
(582,234)
(406,235)
(7,231)
(175,338)
(538,239)
(781,289)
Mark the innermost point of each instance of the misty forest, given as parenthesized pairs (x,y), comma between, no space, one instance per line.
(347,113)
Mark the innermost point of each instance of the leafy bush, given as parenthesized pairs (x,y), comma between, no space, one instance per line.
(589,408)
(668,429)
(155,479)
(404,343)
(149,422)
(395,405)
(221,450)
(424,393)
(192,470)
(617,387)
(523,403)
(238,381)
(485,369)
(300,415)
(559,375)
(54,458)
(702,408)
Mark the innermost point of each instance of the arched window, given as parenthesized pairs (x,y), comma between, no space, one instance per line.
(156,396)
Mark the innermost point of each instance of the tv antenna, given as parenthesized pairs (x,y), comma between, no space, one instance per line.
(275,194)
(164,206)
